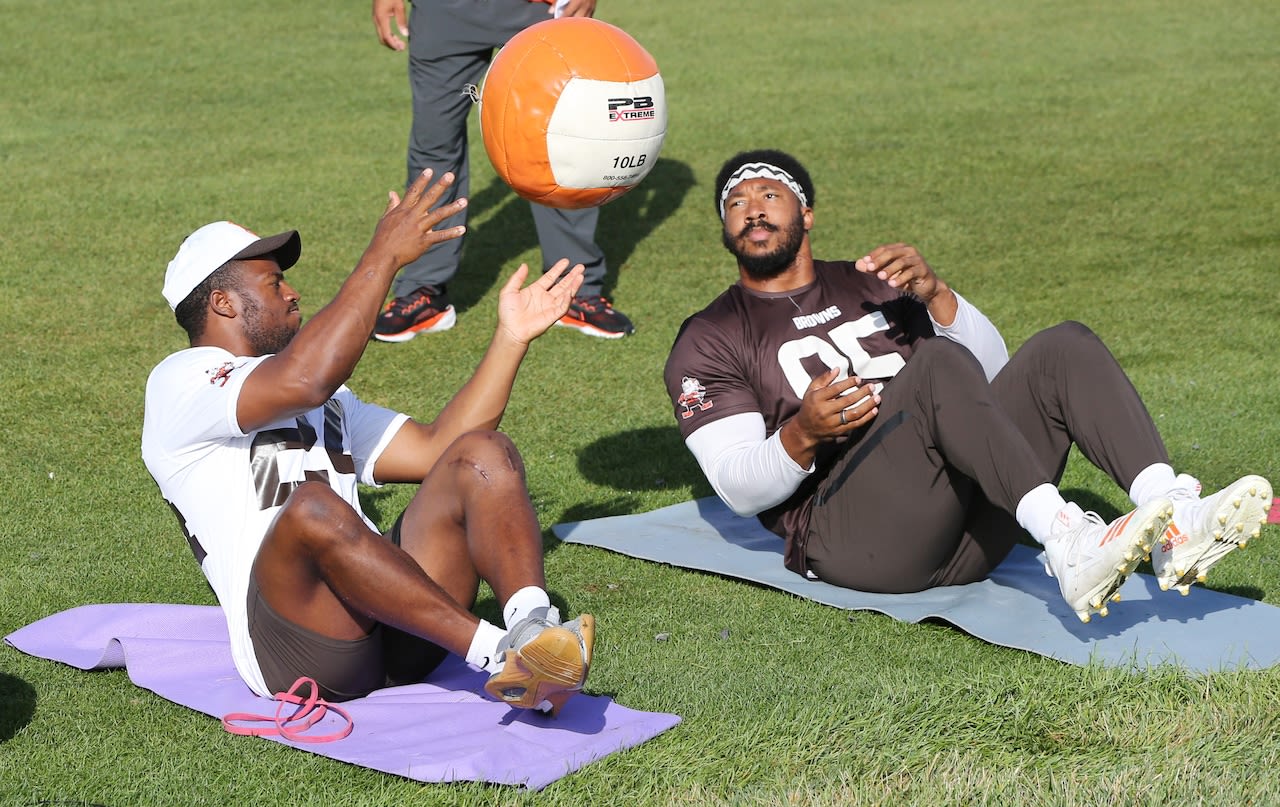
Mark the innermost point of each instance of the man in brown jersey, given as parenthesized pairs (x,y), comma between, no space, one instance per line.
(816,397)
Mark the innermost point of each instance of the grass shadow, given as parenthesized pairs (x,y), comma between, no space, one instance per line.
(381,505)
(648,459)
(628,220)
(493,246)
(17,705)
(653,458)
(1248,592)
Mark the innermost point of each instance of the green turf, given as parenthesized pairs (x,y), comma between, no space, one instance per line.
(1113,162)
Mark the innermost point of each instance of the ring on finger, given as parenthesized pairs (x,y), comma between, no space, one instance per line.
(843,422)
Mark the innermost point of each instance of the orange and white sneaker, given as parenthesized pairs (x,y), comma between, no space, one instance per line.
(425,310)
(1204,531)
(594,315)
(545,663)
(1092,559)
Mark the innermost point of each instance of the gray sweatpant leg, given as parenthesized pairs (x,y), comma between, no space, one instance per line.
(451,44)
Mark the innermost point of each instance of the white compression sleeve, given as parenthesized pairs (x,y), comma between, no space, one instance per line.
(748,471)
(973,330)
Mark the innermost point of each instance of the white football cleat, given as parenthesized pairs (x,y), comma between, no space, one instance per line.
(1092,559)
(1204,531)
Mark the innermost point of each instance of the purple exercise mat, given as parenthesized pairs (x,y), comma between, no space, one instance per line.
(437,731)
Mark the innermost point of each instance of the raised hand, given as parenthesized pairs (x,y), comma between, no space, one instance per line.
(902,267)
(526,312)
(406,229)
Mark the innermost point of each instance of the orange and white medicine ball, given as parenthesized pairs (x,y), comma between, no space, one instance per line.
(573,112)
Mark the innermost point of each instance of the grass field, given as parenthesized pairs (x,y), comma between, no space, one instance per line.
(1113,162)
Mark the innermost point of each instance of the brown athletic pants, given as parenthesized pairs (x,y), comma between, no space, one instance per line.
(926,496)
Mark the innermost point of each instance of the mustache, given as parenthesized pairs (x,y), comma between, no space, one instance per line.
(763,225)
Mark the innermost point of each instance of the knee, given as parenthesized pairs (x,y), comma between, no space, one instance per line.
(1071,333)
(1071,338)
(313,516)
(939,370)
(943,355)
(310,503)
(488,457)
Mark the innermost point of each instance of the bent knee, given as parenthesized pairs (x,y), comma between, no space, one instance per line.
(487,453)
(313,516)
(1072,330)
(1069,336)
(941,353)
(311,501)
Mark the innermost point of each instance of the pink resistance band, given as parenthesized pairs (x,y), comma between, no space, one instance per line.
(310,711)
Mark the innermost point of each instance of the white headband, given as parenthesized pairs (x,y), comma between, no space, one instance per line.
(761,171)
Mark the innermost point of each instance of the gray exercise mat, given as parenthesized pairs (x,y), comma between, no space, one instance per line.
(1018,606)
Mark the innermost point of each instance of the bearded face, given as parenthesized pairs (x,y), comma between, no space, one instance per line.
(265,336)
(765,260)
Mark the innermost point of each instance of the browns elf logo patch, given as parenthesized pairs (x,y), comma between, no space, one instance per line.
(221,374)
(693,397)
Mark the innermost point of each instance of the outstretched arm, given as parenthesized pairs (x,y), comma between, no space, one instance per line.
(524,314)
(323,354)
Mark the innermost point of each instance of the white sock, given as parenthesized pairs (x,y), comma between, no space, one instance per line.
(522,602)
(483,652)
(1037,510)
(1156,479)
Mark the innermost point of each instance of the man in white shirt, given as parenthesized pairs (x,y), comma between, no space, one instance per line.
(818,396)
(258,445)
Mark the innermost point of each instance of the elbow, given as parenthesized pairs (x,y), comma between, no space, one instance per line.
(744,512)
(740,508)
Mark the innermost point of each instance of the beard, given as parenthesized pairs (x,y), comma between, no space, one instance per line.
(265,339)
(767,265)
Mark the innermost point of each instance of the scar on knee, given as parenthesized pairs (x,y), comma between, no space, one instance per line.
(468,461)
(478,460)
(514,461)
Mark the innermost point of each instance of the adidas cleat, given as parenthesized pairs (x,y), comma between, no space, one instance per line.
(1204,531)
(1092,559)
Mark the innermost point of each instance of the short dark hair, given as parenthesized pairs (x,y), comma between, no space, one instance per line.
(772,156)
(193,312)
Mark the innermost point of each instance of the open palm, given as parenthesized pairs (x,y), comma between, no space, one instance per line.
(526,312)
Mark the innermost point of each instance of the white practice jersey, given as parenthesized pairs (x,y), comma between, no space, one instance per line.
(226,486)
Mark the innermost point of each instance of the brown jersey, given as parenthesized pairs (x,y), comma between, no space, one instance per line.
(750,351)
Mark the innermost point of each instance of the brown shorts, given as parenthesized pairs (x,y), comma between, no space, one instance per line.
(343,669)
